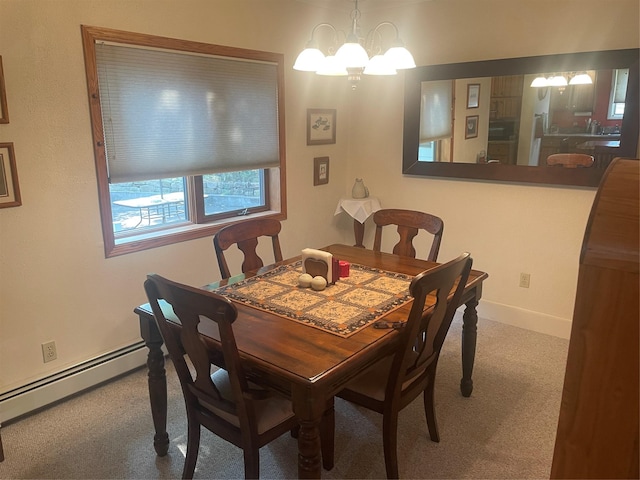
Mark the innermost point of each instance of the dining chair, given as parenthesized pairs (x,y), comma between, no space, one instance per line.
(245,234)
(395,381)
(570,160)
(225,402)
(409,222)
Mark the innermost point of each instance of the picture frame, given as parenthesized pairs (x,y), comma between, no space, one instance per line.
(321,126)
(473,95)
(320,171)
(9,187)
(471,126)
(4,111)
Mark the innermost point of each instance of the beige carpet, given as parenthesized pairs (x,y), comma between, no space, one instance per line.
(505,430)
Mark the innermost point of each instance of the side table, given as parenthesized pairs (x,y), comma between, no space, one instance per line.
(360,209)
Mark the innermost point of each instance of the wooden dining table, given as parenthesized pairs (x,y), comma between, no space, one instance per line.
(308,364)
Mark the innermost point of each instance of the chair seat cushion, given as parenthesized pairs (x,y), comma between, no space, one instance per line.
(372,382)
(270,411)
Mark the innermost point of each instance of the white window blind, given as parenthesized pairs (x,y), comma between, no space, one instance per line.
(435,110)
(171,114)
(620,80)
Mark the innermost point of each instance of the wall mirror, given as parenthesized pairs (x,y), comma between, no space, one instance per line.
(493,125)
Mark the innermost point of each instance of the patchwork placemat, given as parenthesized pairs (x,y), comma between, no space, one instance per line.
(342,309)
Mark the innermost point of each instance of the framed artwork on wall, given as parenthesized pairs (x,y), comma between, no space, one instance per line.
(4,112)
(471,130)
(473,95)
(320,170)
(9,187)
(321,126)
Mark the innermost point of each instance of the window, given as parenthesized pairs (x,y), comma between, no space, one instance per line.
(618,93)
(436,121)
(188,137)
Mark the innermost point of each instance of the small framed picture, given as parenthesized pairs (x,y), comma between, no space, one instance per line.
(473,95)
(320,170)
(471,127)
(4,112)
(321,126)
(9,188)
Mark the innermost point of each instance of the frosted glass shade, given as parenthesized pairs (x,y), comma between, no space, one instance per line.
(352,55)
(309,60)
(581,79)
(540,82)
(400,58)
(558,81)
(331,67)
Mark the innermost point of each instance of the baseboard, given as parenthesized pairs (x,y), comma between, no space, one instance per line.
(527,319)
(31,397)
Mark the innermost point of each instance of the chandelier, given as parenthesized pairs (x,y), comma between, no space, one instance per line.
(356,55)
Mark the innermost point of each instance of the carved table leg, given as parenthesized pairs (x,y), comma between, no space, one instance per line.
(157,384)
(309,435)
(358,231)
(469,335)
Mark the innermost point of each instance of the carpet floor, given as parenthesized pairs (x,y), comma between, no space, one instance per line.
(505,430)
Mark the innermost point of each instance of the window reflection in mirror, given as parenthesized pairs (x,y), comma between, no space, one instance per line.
(520,124)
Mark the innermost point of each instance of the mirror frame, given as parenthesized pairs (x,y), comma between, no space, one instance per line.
(606,59)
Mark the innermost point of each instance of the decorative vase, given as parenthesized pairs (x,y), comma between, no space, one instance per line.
(359,190)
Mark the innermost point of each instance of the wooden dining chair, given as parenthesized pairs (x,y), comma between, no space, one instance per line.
(395,381)
(570,160)
(225,403)
(409,222)
(245,235)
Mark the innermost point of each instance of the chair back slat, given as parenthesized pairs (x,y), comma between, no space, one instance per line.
(423,336)
(245,235)
(194,308)
(409,223)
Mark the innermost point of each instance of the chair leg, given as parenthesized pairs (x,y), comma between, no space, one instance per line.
(390,444)
(327,435)
(430,411)
(193,445)
(251,463)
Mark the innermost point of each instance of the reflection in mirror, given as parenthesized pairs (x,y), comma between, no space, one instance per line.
(504,113)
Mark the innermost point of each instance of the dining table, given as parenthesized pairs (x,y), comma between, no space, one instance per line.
(309,364)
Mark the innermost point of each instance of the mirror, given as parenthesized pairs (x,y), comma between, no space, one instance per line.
(503,129)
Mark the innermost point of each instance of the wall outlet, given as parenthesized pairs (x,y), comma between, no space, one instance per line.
(49,352)
(525,278)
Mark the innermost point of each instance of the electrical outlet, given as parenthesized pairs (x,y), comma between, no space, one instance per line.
(525,279)
(49,352)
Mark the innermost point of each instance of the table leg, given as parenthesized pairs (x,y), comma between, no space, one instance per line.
(469,336)
(358,230)
(157,383)
(309,413)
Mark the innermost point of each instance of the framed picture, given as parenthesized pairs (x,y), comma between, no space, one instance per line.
(471,130)
(473,95)
(4,113)
(321,126)
(9,188)
(320,170)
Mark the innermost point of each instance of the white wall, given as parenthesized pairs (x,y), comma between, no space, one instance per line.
(508,228)
(55,283)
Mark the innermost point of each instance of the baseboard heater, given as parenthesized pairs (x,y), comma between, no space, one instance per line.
(33,396)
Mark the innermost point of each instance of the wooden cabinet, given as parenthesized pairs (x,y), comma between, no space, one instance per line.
(574,98)
(506,97)
(597,433)
(503,151)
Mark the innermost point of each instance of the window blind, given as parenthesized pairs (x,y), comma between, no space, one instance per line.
(620,81)
(172,114)
(435,110)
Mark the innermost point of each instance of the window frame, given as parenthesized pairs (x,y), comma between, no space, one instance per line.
(275,178)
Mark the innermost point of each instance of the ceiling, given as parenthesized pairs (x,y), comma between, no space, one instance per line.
(363,5)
